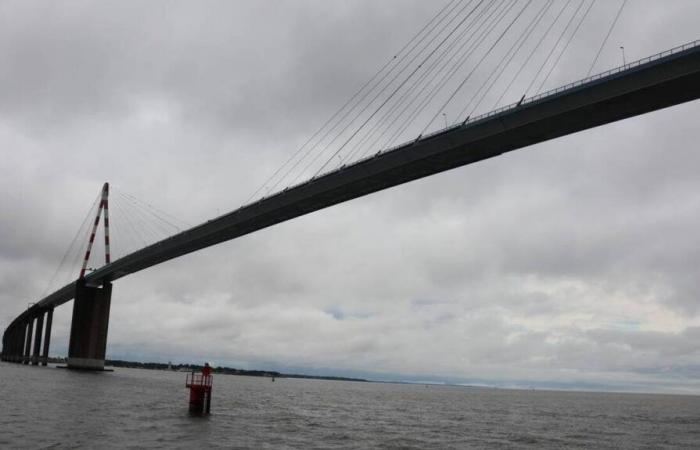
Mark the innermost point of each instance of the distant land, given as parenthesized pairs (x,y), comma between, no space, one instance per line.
(427,380)
(221,370)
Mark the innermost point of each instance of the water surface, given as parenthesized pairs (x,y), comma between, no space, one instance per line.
(131,408)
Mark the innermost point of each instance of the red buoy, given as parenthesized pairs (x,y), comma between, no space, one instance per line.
(200,390)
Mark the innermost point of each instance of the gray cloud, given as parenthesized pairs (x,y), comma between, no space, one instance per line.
(572,261)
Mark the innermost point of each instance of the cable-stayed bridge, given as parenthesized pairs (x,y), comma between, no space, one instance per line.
(659,81)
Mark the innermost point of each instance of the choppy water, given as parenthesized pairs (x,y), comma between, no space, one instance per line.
(128,408)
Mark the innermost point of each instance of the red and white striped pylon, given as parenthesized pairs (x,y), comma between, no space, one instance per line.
(104,205)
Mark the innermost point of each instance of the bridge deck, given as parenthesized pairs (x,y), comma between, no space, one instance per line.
(667,79)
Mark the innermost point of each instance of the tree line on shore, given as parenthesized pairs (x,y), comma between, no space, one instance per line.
(219,370)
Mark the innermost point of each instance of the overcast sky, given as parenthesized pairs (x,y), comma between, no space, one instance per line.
(570,263)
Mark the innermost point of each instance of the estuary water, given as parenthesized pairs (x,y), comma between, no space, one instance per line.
(130,408)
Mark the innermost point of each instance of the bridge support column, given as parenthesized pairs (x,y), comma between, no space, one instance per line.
(11,349)
(47,337)
(11,339)
(5,341)
(28,340)
(37,338)
(88,333)
(8,344)
(21,338)
(14,345)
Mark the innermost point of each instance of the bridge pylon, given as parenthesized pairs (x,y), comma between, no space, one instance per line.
(88,333)
(28,338)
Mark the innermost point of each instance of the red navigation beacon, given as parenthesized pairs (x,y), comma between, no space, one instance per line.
(200,390)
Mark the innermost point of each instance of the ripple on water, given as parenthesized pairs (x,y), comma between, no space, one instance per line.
(50,408)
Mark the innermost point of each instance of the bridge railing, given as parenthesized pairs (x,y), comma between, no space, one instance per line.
(502,109)
(557,90)
(614,71)
(567,87)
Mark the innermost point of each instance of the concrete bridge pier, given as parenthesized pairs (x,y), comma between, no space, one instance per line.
(23,337)
(18,344)
(47,337)
(37,338)
(6,338)
(22,342)
(88,334)
(11,345)
(6,345)
(28,340)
